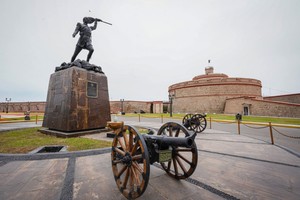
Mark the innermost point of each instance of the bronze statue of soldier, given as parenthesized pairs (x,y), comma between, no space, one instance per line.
(85,39)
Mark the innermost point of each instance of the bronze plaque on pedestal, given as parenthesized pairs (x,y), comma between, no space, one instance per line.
(92,90)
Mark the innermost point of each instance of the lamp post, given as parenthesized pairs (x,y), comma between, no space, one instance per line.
(122,106)
(171,97)
(7,100)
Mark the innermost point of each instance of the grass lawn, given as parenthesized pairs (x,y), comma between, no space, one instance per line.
(39,116)
(26,140)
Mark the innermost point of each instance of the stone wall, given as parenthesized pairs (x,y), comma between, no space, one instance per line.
(200,104)
(23,106)
(115,106)
(290,98)
(130,106)
(262,107)
(157,107)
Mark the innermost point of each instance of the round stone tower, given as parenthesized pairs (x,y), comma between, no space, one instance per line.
(207,93)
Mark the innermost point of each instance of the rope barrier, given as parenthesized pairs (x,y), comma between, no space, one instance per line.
(294,137)
(255,127)
(225,122)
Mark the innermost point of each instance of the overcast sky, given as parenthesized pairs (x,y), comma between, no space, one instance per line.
(152,44)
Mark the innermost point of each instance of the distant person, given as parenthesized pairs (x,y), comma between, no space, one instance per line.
(85,39)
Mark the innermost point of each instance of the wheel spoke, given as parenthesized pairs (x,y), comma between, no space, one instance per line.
(131,179)
(126,178)
(175,167)
(134,148)
(181,165)
(136,178)
(137,157)
(121,142)
(121,171)
(116,149)
(183,158)
(116,161)
(177,132)
(169,165)
(130,141)
(126,140)
(137,166)
(170,131)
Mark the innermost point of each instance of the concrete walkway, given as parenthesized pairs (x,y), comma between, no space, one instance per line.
(19,125)
(230,166)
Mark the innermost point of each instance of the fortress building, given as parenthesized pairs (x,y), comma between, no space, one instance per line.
(208,93)
(219,93)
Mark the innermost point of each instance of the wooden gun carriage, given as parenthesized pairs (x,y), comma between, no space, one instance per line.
(132,153)
(196,122)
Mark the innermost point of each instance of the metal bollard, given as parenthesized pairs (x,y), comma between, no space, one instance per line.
(271,133)
(162,118)
(239,127)
(210,122)
(139,117)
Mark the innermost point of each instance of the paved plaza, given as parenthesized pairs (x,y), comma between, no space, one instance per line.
(230,166)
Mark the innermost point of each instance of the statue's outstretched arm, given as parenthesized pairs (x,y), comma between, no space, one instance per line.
(95,25)
(76,29)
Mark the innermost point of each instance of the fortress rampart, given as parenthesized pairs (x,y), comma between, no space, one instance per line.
(208,93)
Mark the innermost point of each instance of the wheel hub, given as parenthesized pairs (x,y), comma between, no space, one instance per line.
(127,159)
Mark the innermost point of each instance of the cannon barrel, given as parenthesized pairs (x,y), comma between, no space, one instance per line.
(163,140)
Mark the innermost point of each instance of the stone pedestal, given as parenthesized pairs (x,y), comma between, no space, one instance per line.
(77,100)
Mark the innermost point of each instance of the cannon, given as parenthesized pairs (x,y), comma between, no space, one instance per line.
(132,153)
(196,123)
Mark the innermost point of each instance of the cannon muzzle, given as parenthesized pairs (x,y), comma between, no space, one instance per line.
(163,140)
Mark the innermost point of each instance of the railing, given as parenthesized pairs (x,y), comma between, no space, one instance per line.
(261,124)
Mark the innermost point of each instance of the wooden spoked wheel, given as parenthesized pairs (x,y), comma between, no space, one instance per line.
(184,160)
(130,162)
(198,123)
(186,121)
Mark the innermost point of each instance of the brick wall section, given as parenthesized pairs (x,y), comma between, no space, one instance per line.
(262,107)
(157,107)
(130,106)
(290,98)
(204,104)
(115,106)
(23,106)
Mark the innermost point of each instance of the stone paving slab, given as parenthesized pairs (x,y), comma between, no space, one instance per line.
(32,179)
(244,146)
(247,168)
